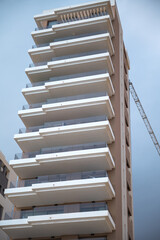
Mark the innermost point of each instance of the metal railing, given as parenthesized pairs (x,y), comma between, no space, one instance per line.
(95,238)
(60,149)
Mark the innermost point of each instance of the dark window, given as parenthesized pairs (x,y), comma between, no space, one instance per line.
(2,190)
(93,238)
(126,120)
(128,187)
(50,23)
(126,104)
(129,213)
(85,207)
(125,69)
(127,143)
(127,163)
(1,212)
(125,84)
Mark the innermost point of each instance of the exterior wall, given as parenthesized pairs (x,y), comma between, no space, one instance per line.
(118,177)
(4,201)
(130,216)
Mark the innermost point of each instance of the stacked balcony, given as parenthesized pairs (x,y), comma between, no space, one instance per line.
(63,181)
(62,188)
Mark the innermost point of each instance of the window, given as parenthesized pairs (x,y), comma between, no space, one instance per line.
(2,190)
(125,69)
(127,163)
(128,187)
(129,213)
(93,238)
(1,212)
(125,83)
(126,121)
(85,207)
(50,23)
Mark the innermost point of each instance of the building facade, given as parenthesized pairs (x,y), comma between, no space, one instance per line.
(7,176)
(75,168)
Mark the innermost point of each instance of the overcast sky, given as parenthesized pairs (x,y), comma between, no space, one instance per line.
(141,27)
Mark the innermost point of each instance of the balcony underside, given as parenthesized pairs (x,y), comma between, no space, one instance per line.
(84,190)
(62,30)
(67,110)
(65,135)
(59,224)
(64,162)
(69,87)
(75,65)
(73,46)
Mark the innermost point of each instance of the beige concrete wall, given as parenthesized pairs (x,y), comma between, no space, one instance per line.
(119,206)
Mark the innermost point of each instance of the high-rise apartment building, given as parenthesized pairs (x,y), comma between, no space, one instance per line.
(7,176)
(75,169)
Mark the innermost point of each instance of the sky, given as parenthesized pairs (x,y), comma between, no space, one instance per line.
(140,21)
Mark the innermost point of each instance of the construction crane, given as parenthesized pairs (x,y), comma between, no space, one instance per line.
(144,117)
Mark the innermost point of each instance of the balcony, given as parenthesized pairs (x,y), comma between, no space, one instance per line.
(69,159)
(58,178)
(74,65)
(85,218)
(74,13)
(62,49)
(62,123)
(129,178)
(126,99)
(127,135)
(64,99)
(129,202)
(72,134)
(83,190)
(46,35)
(65,77)
(127,118)
(68,56)
(94,34)
(126,81)
(128,156)
(40,91)
(130,227)
(81,106)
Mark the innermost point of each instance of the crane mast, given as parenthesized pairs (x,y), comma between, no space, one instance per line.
(144,116)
